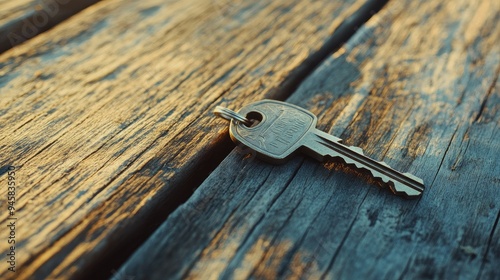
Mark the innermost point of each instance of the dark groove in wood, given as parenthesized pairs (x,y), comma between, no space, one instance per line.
(342,242)
(485,256)
(107,264)
(444,156)
(490,92)
(341,35)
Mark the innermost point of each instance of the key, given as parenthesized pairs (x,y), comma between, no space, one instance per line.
(276,130)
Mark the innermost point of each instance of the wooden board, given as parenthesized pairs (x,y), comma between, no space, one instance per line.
(417,86)
(108,116)
(12,10)
(22,20)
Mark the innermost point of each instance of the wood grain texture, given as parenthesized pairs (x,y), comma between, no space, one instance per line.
(108,115)
(417,86)
(13,10)
(22,20)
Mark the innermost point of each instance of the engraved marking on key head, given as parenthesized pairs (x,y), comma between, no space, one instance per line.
(280,131)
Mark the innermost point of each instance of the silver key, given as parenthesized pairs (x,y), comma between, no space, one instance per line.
(282,129)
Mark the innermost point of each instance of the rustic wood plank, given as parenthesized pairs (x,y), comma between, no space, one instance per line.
(108,116)
(13,10)
(21,20)
(417,87)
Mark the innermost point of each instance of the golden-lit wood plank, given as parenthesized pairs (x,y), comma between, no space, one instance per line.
(13,10)
(417,86)
(22,20)
(107,117)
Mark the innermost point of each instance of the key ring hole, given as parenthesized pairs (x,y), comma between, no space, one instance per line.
(255,118)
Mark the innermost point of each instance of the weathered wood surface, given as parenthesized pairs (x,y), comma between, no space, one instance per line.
(417,86)
(21,20)
(14,10)
(108,116)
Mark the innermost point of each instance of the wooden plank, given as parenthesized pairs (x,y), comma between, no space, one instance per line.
(108,117)
(21,20)
(417,87)
(13,10)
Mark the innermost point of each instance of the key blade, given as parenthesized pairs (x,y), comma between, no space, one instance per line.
(357,150)
(327,137)
(414,177)
(403,184)
(397,183)
(403,190)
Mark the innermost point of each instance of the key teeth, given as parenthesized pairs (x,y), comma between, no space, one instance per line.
(375,174)
(400,189)
(396,187)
